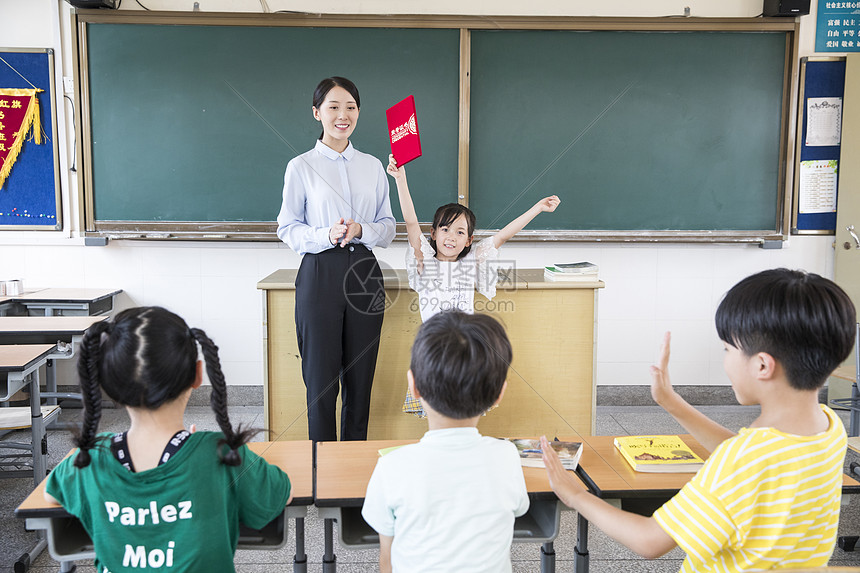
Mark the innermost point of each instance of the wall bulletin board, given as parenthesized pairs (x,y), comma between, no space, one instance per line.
(822,85)
(30,194)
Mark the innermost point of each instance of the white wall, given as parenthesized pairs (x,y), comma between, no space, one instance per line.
(649,288)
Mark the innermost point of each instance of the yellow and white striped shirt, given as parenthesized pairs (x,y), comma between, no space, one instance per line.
(763,499)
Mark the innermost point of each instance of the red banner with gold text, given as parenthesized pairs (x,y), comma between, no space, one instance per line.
(19,115)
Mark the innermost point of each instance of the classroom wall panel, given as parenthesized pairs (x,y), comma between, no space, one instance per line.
(29,256)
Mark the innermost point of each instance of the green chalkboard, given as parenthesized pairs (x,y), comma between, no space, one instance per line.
(672,130)
(634,131)
(197,123)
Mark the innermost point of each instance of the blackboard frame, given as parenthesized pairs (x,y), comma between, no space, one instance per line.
(265,230)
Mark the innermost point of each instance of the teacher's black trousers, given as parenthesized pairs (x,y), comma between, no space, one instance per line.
(340,301)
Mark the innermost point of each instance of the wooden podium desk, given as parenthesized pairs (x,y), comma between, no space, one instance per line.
(637,491)
(343,470)
(551,383)
(68,541)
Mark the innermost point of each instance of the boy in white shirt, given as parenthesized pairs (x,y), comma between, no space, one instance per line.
(448,503)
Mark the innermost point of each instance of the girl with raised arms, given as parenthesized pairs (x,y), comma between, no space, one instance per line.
(445,270)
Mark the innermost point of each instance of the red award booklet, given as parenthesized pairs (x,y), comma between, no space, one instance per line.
(403,131)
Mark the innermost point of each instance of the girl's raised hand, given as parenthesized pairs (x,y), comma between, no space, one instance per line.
(393,170)
(548,204)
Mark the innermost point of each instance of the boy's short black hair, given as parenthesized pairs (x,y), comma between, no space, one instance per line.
(806,322)
(460,362)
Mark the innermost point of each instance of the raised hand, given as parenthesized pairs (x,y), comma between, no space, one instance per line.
(565,485)
(661,386)
(548,204)
(393,170)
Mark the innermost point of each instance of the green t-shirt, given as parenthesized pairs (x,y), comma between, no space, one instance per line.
(182,515)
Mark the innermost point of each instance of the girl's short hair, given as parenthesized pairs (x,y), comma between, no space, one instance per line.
(445,217)
(326,86)
(144,358)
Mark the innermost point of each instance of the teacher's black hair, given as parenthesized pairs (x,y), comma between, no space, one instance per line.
(804,321)
(326,86)
(144,358)
(460,363)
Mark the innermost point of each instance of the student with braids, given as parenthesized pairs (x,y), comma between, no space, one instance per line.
(159,496)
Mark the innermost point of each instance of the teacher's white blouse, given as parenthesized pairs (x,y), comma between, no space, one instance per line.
(322,186)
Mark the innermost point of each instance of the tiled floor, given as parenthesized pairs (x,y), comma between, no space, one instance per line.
(606,556)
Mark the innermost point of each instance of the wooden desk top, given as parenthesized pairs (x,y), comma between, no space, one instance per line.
(59,295)
(633,482)
(519,279)
(52,325)
(630,483)
(19,357)
(295,458)
(344,470)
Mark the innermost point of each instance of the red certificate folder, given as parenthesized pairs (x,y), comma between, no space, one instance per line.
(403,131)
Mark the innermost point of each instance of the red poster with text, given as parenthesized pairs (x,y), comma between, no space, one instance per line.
(403,131)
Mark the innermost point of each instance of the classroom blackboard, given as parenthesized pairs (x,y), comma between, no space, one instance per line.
(636,131)
(197,123)
(30,195)
(657,131)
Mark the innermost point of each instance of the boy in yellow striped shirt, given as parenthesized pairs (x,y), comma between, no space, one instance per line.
(769,495)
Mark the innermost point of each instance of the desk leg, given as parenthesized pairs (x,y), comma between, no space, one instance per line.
(51,381)
(547,558)
(329,559)
(37,431)
(580,552)
(300,561)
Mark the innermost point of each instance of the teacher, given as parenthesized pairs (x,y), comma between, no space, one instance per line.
(335,210)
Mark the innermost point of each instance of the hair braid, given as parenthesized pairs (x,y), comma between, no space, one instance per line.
(88,372)
(234,439)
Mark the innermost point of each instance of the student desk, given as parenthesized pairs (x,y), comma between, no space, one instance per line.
(19,367)
(551,325)
(68,301)
(343,470)
(636,488)
(67,540)
(64,331)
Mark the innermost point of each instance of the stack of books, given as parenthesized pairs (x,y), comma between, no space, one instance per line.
(583,271)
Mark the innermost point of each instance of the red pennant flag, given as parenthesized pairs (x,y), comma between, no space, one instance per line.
(19,114)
